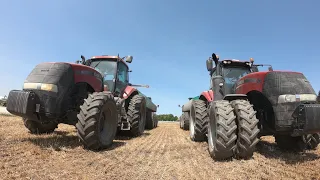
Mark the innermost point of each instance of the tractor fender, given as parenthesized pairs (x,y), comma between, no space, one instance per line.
(186,107)
(130,91)
(231,97)
(86,74)
(208,95)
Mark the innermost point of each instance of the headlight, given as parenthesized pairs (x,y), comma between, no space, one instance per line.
(49,87)
(286,98)
(41,86)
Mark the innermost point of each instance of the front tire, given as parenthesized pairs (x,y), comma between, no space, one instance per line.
(222,130)
(312,141)
(198,121)
(38,128)
(98,118)
(247,128)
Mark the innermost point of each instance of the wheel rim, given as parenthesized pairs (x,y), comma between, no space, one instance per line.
(106,129)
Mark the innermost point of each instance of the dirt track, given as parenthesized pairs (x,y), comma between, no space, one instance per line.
(162,153)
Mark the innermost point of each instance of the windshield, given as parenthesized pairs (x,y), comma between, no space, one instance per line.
(107,69)
(233,74)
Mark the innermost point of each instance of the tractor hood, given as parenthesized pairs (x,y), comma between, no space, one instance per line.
(278,83)
(275,83)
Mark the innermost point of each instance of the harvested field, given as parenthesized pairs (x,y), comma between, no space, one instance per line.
(162,153)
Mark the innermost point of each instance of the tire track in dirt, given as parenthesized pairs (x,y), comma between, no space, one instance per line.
(129,155)
(195,154)
(136,152)
(143,155)
(172,161)
(155,157)
(161,151)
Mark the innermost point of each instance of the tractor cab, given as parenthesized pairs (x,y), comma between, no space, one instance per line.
(228,71)
(114,71)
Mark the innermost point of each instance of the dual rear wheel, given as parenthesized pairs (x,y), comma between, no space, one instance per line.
(231,128)
(98,119)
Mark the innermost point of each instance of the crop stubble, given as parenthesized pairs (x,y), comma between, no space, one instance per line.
(162,153)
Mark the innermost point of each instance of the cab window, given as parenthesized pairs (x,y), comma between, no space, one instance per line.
(123,73)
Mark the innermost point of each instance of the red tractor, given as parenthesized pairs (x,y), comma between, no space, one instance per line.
(94,95)
(243,104)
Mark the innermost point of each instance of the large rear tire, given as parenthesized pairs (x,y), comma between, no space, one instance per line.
(248,130)
(98,119)
(222,130)
(198,121)
(137,114)
(38,128)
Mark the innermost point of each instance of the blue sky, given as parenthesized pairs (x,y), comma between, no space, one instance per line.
(169,40)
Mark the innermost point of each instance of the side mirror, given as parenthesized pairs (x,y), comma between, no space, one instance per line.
(270,69)
(83,59)
(129,59)
(77,61)
(209,64)
(179,105)
(157,105)
(215,58)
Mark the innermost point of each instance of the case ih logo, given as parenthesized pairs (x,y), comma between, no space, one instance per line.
(249,80)
(90,73)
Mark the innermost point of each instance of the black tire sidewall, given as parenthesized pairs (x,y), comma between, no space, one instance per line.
(142,116)
(112,122)
(212,124)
